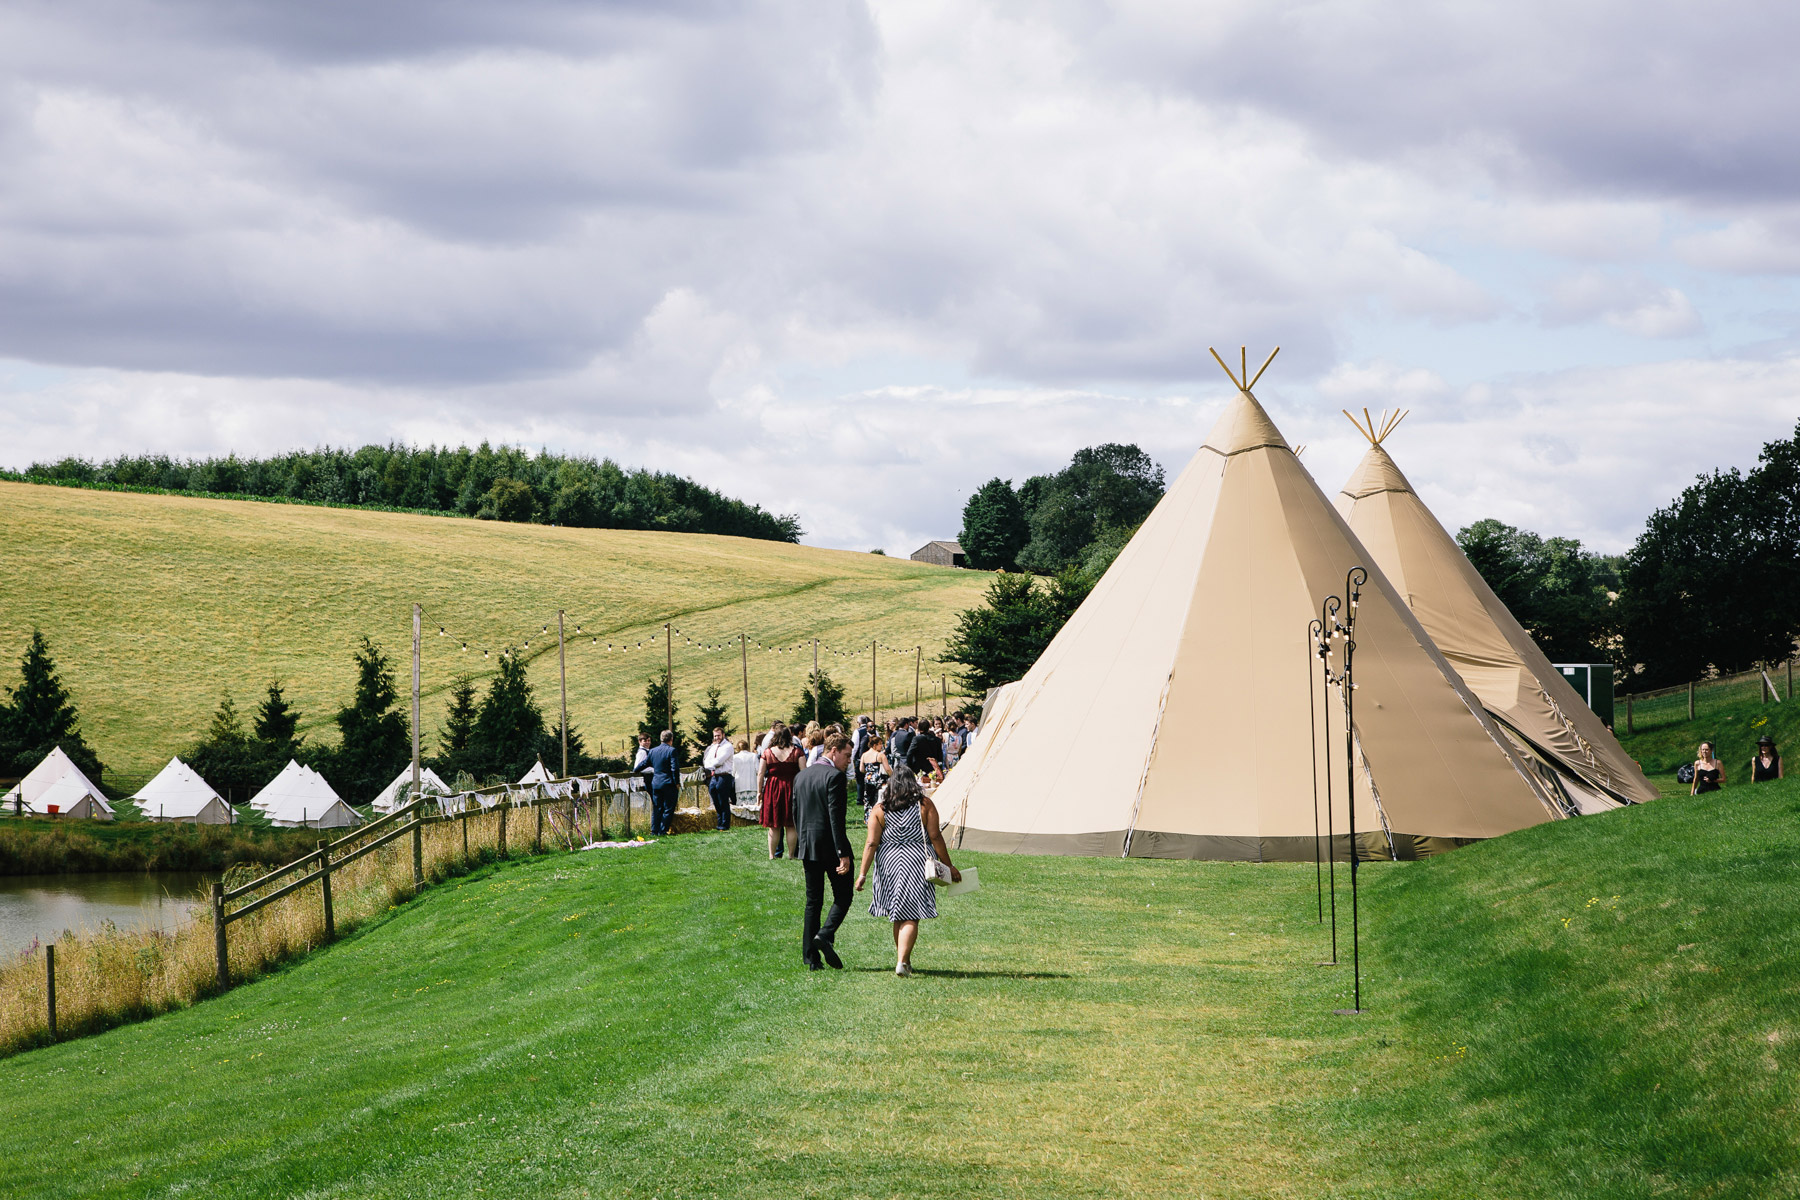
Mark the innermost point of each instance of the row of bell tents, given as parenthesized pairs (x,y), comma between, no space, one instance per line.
(298,796)
(1180,712)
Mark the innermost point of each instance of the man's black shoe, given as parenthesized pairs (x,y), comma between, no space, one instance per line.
(830,952)
(814,965)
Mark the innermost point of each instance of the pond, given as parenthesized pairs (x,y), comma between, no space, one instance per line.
(41,907)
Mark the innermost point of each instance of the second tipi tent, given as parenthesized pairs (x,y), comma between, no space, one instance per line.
(1576,755)
(1172,716)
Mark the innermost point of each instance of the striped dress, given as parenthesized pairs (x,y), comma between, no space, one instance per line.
(901,891)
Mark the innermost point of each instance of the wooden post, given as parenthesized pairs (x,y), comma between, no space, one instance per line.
(418,841)
(325,887)
(503,806)
(50,985)
(1690,699)
(815,681)
(465,833)
(669,672)
(944,695)
(744,653)
(874,693)
(562,670)
(415,728)
(1790,678)
(539,805)
(628,809)
(918,665)
(218,911)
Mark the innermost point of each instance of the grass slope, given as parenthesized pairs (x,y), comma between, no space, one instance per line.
(1730,716)
(155,605)
(1597,1008)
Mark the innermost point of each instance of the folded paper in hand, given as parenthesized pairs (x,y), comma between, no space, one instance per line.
(970,882)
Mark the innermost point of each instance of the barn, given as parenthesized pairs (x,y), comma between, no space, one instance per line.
(943,554)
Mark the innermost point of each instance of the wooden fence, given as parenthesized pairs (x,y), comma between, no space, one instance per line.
(1651,709)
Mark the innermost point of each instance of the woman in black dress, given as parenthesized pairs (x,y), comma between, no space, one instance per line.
(1766,764)
(1709,772)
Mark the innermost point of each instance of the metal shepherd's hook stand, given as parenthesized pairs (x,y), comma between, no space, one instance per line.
(1345,629)
(1321,631)
(1316,646)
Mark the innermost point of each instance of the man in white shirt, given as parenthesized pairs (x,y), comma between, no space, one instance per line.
(721,783)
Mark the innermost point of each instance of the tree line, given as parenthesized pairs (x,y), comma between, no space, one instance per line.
(1709,584)
(501,483)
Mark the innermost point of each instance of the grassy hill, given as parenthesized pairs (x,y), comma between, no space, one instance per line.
(1592,1008)
(1731,716)
(156,605)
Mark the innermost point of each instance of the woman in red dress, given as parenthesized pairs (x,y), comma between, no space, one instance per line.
(780,763)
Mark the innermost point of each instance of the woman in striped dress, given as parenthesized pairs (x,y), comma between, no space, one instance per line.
(898,829)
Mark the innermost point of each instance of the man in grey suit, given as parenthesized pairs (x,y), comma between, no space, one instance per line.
(820,794)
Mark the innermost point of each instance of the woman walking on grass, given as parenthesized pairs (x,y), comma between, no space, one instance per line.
(1709,772)
(781,762)
(899,828)
(1766,764)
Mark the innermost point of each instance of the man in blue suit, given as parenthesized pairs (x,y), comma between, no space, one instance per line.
(665,785)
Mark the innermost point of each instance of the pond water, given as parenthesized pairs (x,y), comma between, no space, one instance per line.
(40,907)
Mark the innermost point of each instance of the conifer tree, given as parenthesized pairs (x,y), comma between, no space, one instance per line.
(236,765)
(657,713)
(277,722)
(714,714)
(458,726)
(41,716)
(509,726)
(830,701)
(374,741)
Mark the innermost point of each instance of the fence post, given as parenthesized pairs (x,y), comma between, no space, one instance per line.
(465,830)
(503,806)
(325,887)
(218,909)
(1690,699)
(418,840)
(50,985)
(539,805)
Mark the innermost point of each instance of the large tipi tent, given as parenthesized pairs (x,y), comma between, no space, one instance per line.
(430,784)
(178,794)
(56,787)
(1170,717)
(1558,732)
(300,796)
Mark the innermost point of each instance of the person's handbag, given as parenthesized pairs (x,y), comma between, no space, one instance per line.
(935,869)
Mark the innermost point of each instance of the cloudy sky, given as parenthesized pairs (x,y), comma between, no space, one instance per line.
(850,261)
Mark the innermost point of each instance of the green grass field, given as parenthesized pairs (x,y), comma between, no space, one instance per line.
(1730,716)
(1601,1007)
(156,605)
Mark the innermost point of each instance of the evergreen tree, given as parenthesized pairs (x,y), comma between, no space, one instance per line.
(237,765)
(830,700)
(714,714)
(994,528)
(997,642)
(277,723)
(550,749)
(657,714)
(509,726)
(458,727)
(374,742)
(41,716)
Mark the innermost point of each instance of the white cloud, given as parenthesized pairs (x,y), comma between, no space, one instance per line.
(1630,303)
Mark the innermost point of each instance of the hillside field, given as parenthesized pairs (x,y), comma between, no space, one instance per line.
(155,606)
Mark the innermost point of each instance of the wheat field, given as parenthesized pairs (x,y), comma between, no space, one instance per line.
(156,606)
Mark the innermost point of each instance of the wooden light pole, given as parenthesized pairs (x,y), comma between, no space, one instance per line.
(918,665)
(815,681)
(562,669)
(744,649)
(669,673)
(874,696)
(418,844)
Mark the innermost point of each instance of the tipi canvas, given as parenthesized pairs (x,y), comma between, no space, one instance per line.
(178,794)
(1574,752)
(1172,716)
